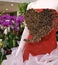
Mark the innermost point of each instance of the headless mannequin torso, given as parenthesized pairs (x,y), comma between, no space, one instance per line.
(39,4)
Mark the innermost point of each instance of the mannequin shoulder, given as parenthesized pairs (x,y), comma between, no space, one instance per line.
(53,4)
(30,5)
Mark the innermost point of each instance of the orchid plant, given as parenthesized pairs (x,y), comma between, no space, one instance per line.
(10,28)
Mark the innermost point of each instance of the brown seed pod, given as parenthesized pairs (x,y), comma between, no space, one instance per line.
(39,24)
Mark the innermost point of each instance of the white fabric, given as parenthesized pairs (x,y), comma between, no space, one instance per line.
(47,59)
(22,42)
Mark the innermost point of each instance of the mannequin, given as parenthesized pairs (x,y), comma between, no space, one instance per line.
(41,4)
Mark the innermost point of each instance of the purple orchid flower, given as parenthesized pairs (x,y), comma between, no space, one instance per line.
(7,20)
(13,18)
(20,18)
(1,21)
(6,23)
(6,17)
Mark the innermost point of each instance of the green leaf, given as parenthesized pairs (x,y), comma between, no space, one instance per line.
(22,8)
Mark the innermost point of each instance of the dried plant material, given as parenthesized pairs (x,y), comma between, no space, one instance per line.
(39,24)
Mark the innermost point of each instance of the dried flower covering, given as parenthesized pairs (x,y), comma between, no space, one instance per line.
(39,24)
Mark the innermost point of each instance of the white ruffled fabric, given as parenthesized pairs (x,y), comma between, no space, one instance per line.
(47,59)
